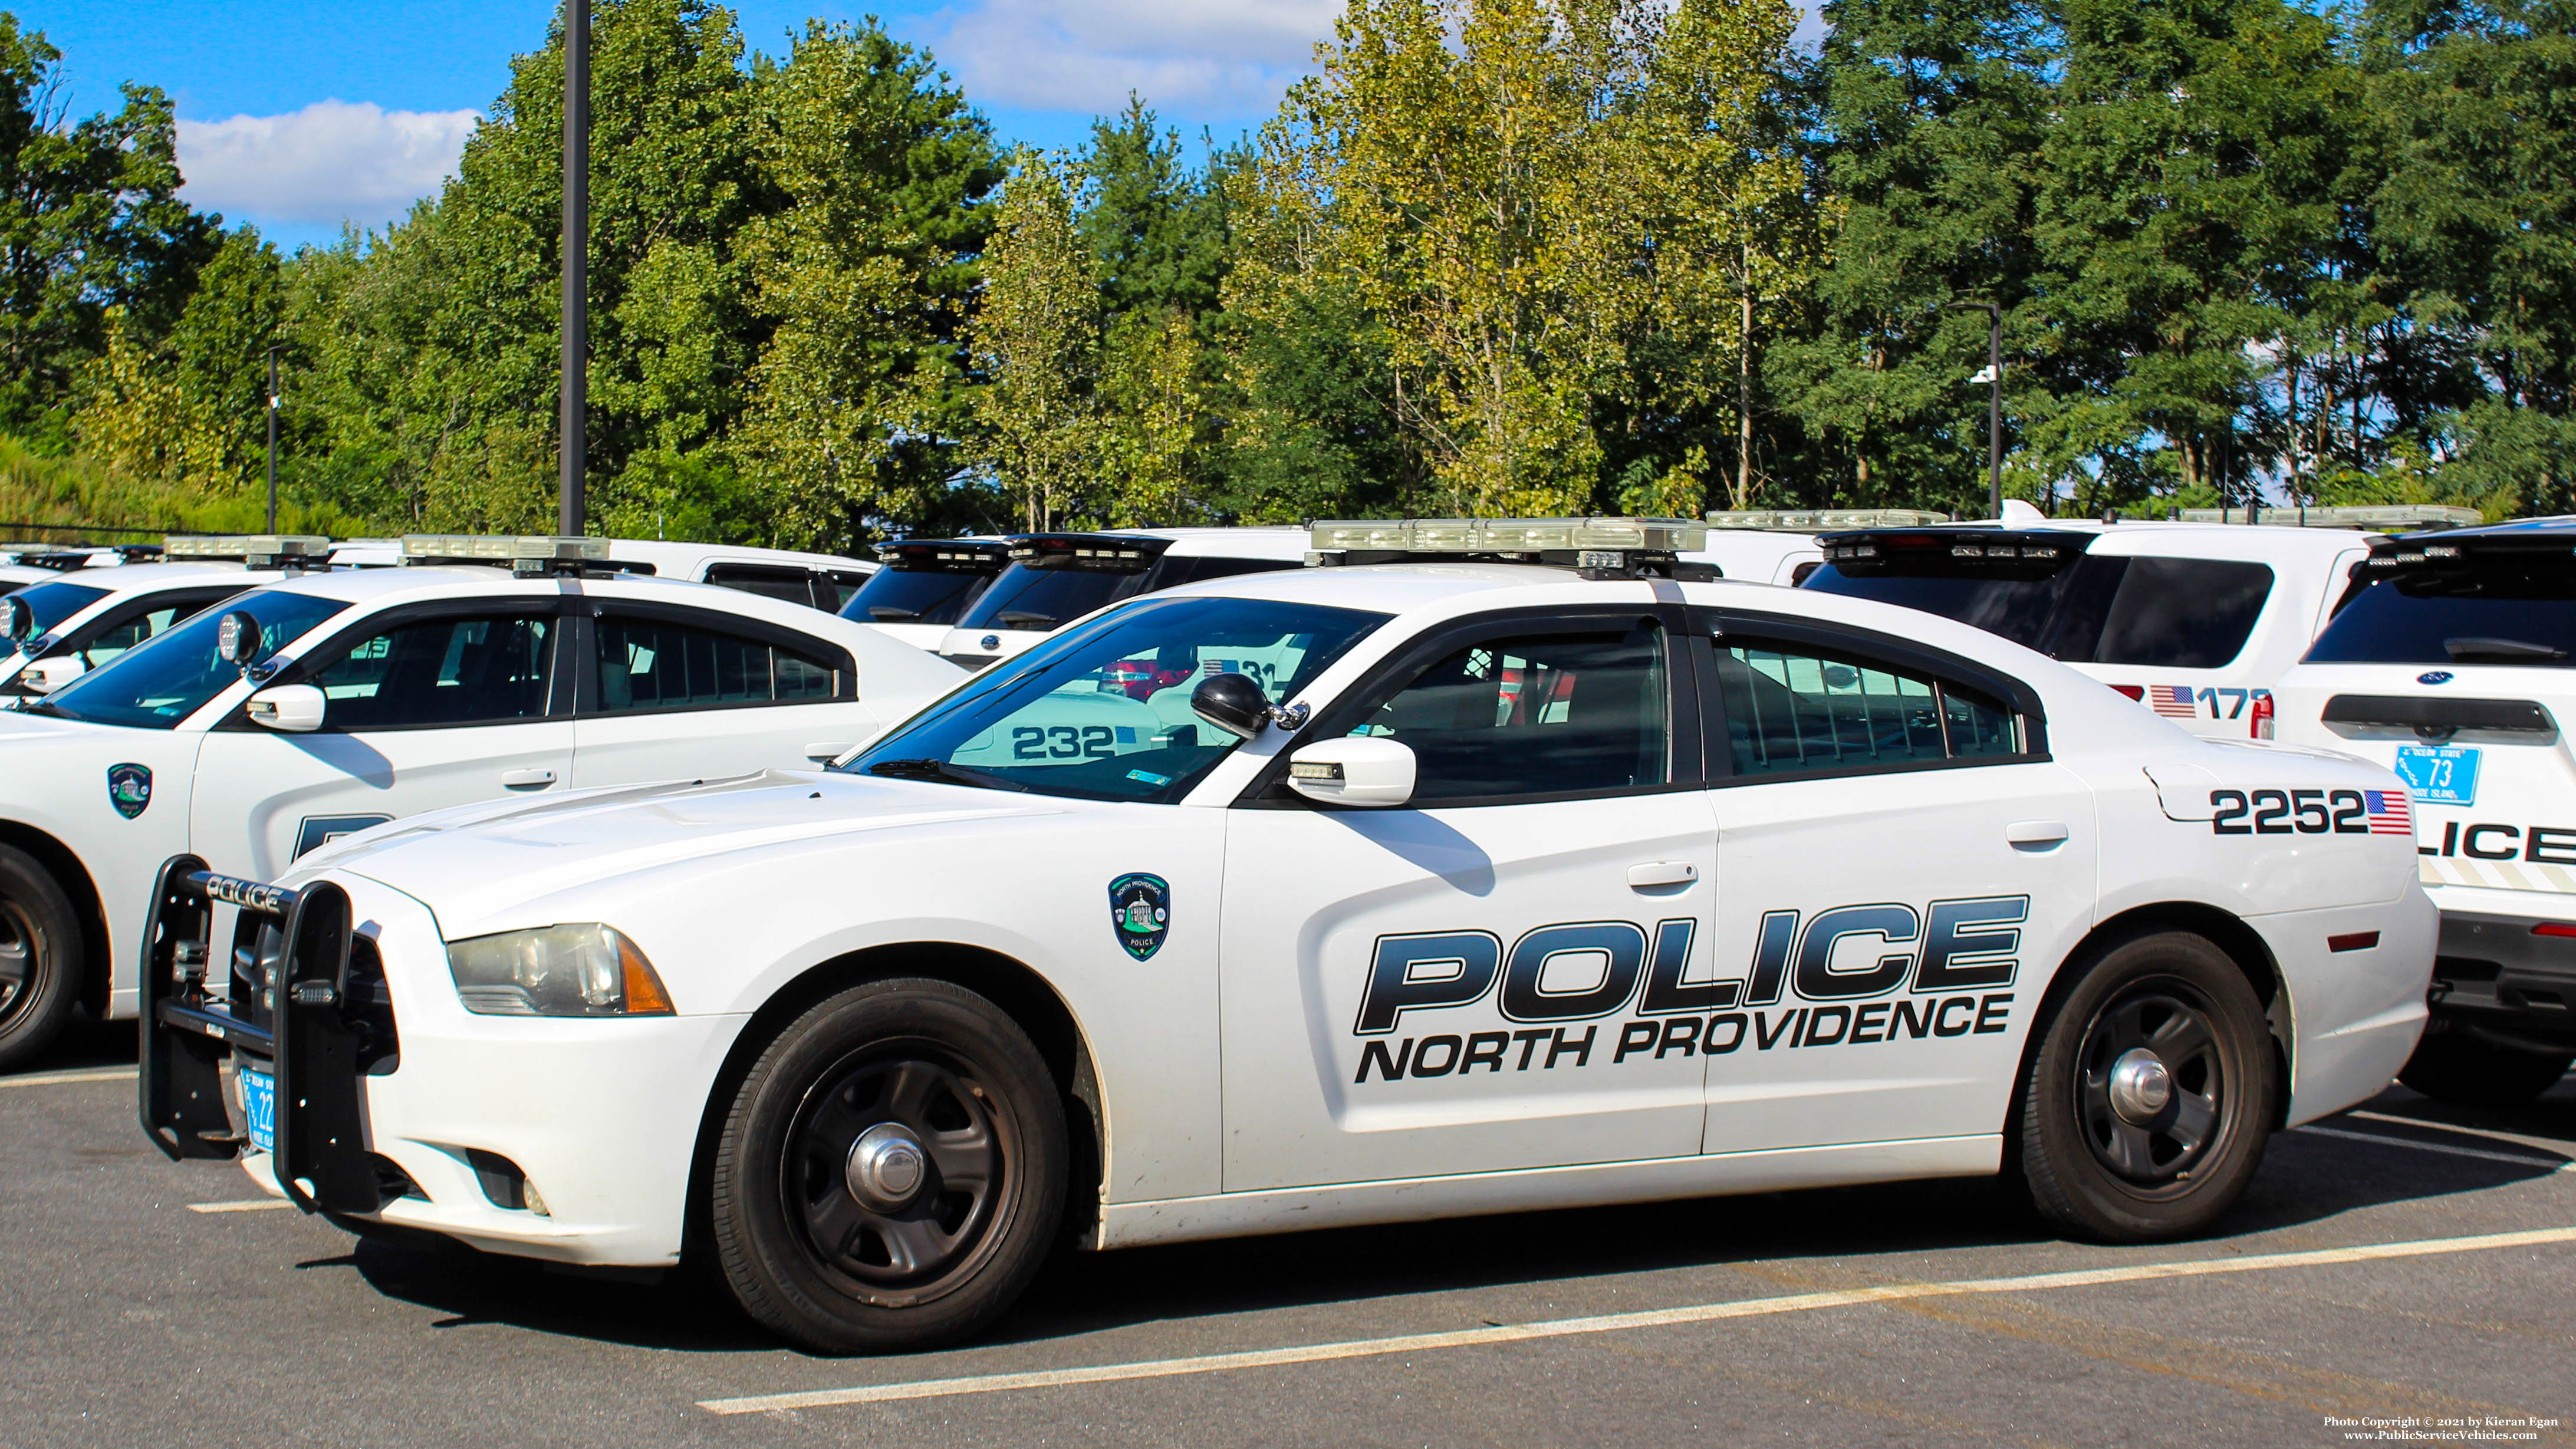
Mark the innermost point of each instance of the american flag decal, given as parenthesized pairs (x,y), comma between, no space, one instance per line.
(2173,701)
(2388,812)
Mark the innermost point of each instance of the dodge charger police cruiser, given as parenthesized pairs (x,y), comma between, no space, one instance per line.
(60,630)
(321,704)
(1482,866)
(2193,619)
(2452,668)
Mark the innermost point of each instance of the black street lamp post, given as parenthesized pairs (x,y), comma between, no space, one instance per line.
(575,422)
(1994,401)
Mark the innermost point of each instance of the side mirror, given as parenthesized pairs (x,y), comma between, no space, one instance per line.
(1353,770)
(294,708)
(1233,703)
(238,639)
(47,675)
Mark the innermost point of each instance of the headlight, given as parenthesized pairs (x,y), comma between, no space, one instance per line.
(575,970)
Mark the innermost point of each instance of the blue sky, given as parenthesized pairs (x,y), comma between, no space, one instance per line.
(296,114)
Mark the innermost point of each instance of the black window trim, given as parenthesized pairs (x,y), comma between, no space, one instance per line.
(302,668)
(587,690)
(1711,626)
(1268,790)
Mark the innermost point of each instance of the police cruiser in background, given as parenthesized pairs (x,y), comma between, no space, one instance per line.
(924,585)
(1056,578)
(1486,865)
(61,629)
(2452,666)
(2194,618)
(320,704)
(1778,545)
(817,580)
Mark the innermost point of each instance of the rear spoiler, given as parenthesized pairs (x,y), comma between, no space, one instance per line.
(1954,552)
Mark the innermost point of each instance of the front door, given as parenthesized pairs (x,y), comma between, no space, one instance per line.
(1463,984)
(423,712)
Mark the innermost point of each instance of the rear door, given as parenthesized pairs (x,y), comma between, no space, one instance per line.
(427,707)
(670,692)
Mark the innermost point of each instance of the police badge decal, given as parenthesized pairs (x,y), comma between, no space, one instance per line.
(1140,911)
(129,788)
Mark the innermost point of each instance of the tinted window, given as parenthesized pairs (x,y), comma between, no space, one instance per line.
(653,664)
(53,603)
(1103,711)
(172,677)
(913,596)
(1535,716)
(1027,598)
(840,587)
(2021,610)
(485,670)
(2522,613)
(1795,709)
(2183,613)
(1178,571)
(787,585)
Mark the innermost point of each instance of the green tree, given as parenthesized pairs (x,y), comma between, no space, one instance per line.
(1036,342)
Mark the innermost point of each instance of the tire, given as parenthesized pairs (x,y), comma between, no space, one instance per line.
(40,958)
(2100,1156)
(827,1233)
(2454,1068)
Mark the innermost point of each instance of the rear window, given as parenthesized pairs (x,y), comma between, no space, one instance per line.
(913,596)
(2022,610)
(2183,613)
(1027,598)
(2518,612)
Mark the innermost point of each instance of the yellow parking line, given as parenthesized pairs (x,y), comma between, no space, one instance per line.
(1614,1322)
(56,1079)
(251,1205)
(2554,1164)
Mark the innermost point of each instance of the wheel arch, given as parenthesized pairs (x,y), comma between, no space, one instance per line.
(74,878)
(2240,942)
(1022,994)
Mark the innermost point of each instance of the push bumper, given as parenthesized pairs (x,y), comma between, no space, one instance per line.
(565,1139)
(2506,970)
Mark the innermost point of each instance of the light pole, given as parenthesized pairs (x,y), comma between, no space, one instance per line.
(575,422)
(273,401)
(1994,401)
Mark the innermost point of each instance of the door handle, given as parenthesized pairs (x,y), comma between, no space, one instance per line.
(527,779)
(827,751)
(2035,834)
(1662,873)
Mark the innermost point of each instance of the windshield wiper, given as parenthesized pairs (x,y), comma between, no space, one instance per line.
(942,770)
(2510,650)
(888,614)
(1022,619)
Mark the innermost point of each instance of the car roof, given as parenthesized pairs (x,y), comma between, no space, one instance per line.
(671,555)
(1249,542)
(2162,538)
(146,578)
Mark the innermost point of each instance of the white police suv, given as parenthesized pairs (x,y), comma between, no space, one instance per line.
(923,586)
(1486,865)
(2453,667)
(319,704)
(2193,618)
(1056,578)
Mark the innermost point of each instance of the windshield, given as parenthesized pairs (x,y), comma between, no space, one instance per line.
(2019,609)
(2522,613)
(52,603)
(913,596)
(163,681)
(1103,712)
(1026,598)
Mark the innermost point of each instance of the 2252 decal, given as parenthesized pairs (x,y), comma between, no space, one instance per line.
(2308,812)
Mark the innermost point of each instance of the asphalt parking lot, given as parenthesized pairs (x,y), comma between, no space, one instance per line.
(2410,1268)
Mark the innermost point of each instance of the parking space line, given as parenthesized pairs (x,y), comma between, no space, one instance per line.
(2538,1144)
(57,1079)
(2554,1164)
(247,1205)
(1615,1322)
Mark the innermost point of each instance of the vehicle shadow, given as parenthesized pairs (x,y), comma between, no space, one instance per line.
(84,1045)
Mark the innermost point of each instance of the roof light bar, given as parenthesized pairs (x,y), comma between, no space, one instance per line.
(2383,518)
(1822,520)
(1597,548)
(523,553)
(252,550)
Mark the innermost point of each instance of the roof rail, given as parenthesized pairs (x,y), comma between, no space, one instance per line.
(1822,520)
(252,550)
(529,554)
(2372,517)
(1602,548)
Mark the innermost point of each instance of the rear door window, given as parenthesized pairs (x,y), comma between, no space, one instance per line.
(1796,709)
(2183,613)
(650,664)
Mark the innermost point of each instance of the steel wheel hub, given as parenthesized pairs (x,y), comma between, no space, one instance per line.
(886,1166)
(2140,1086)
(894,1170)
(2150,1087)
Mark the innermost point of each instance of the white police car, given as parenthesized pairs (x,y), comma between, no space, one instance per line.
(57,630)
(2193,618)
(1446,888)
(2452,667)
(349,698)
(1056,578)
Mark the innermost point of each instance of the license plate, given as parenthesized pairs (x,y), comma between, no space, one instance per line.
(259,1107)
(2439,774)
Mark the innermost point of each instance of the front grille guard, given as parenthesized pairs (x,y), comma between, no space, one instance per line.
(321,1159)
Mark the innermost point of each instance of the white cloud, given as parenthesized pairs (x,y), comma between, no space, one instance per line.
(327,163)
(1226,59)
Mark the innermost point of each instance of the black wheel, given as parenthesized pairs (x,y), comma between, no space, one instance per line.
(892,1171)
(2151,1095)
(2461,1069)
(40,958)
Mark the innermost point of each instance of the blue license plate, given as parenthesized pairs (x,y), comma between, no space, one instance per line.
(2439,774)
(259,1108)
